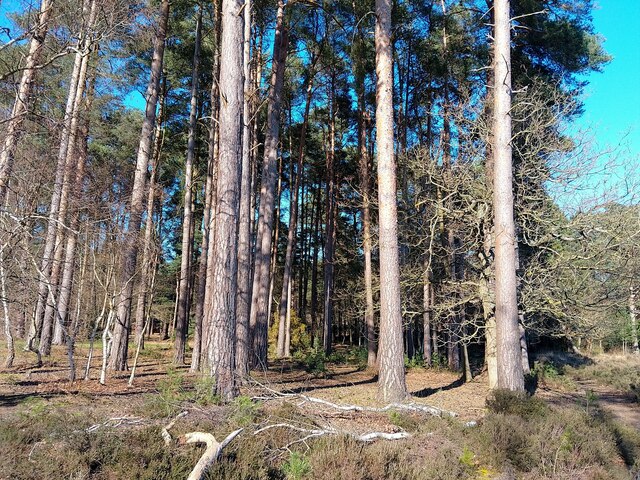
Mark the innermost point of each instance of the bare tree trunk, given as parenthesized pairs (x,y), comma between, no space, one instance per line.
(274,244)
(391,380)
(243,307)
(314,270)
(634,324)
(365,185)
(11,351)
(50,239)
(221,312)
(330,234)
(293,221)
(510,375)
(206,253)
(148,247)
(20,106)
(182,320)
(427,350)
(118,358)
(66,284)
(60,232)
(260,299)
(287,335)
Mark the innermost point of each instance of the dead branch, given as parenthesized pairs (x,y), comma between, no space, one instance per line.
(411,407)
(165,431)
(367,437)
(212,452)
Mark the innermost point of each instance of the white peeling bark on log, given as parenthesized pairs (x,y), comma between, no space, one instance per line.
(366,437)
(212,452)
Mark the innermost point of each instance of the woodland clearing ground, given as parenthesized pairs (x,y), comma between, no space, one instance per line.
(45,420)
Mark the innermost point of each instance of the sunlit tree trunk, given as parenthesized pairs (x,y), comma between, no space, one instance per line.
(80,153)
(21,103)
(634,323)
(243,307)
(182,319)
(56,233)
(206,252)
(509,360)
(391,379)
(221,312)
(148,247)
(260,298)
(119,351)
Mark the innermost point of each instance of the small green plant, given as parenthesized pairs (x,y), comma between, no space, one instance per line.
(417,361)
(358,356)
(297,467)
(338,358)
(438,361)
(315,362)
(591,399)
(245,411)
(467,458)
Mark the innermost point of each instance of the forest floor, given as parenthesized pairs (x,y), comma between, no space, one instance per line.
(583,421)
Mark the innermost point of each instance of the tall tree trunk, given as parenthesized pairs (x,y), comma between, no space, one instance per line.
(287,276)
(118,358)
(391,379)
(49,245)
(365,186)
(182,320)
(633,314)
(314,269)
(59,203)
(330,233)
(510,375)
(21,104)
(243,307)
(80,152)
(148,248)
(206,252)
(260,291)
(11,351)
(427,350)
(275,243)
(221,312)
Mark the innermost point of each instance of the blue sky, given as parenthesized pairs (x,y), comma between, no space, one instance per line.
(612,98)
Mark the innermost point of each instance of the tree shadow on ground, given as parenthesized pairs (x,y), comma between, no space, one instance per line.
(425,392)
(310,388)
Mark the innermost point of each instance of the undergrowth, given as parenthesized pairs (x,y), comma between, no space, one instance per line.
(521,437)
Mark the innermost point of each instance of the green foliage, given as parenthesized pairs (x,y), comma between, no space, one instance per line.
(300,338)
(416,362)
(315,362)
(296,467)
(244,411)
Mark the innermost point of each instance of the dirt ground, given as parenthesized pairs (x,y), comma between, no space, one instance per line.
(340,384)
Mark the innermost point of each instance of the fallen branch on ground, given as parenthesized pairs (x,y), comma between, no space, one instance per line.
(411,407)
(311,433)
(212,452)
(116,422)
(165,431)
